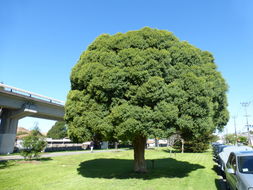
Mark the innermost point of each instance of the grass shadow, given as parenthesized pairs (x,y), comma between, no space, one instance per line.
(6,164)
(43,159)
(35,160)
(123,169)
(172,151)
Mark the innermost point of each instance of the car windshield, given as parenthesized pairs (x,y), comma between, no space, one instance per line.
(245,164)
(221,148)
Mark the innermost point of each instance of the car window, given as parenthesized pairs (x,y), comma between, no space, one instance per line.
(231,159)
(233,163)
(221,148)
(245,164)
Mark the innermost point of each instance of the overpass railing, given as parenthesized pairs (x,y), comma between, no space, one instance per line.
(28,93)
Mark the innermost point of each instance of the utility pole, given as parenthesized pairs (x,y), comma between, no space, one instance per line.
(234,117)
(245,105)
(226,134)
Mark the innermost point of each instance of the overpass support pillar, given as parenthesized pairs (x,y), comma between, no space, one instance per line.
(8,130)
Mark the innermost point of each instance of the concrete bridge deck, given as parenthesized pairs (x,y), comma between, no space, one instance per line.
(16,104)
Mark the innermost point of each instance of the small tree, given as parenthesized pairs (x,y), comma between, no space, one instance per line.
(58,130)
(214,138)
(33,144)
(231,138)
(242,139)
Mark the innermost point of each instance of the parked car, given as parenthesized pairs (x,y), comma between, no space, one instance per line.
(215,147)
(215,144)
(223,156)
(219,149)
(239,170)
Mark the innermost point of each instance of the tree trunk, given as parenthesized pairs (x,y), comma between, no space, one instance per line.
(168,142)
(182,149)
(156,142)
(116,145)
(139,154)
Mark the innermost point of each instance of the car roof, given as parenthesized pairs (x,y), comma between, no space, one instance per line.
(223,146)
(243,153)
(237,149)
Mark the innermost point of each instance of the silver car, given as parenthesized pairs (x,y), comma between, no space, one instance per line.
(224,155)
(239,170)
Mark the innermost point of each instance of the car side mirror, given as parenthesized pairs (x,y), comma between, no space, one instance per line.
(231,171)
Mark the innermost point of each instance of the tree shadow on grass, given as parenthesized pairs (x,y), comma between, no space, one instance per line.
(6,164)
(43,159)
(123,169)
(171,151)
(34,160)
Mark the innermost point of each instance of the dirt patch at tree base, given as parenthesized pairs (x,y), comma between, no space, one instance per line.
(29,162)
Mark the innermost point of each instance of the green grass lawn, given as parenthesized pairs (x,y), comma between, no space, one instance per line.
(112,170)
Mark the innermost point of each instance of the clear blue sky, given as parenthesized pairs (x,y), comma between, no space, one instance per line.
(40,41)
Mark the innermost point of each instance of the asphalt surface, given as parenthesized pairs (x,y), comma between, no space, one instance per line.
(55,154)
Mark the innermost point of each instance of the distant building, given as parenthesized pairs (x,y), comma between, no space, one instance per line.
(22,132)
(63,145)
(160,143)
(54,145)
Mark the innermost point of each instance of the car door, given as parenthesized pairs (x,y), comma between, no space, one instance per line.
(231,178)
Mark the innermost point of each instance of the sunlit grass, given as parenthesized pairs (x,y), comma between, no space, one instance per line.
(111,170)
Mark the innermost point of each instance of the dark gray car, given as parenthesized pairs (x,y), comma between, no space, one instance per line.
(239,170)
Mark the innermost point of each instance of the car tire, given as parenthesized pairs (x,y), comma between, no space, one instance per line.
(223,175)
(227,187)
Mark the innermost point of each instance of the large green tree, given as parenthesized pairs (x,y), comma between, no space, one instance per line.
(141,83)
(58,130)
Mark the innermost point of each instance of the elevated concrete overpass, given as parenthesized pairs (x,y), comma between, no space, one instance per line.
(16,104)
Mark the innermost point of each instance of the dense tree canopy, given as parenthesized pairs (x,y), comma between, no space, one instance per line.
(146,82)
(58,130)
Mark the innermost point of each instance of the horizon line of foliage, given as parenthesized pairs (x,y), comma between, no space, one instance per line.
(58,130)
(232,138)
(145,83)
